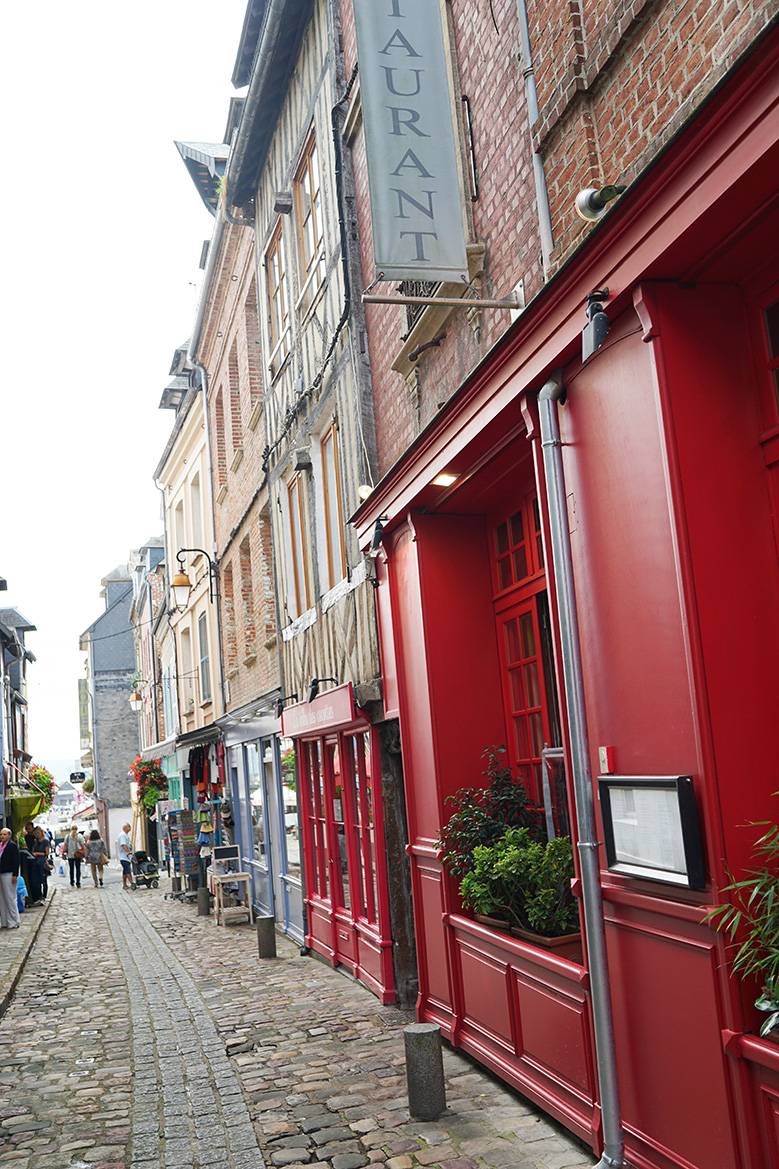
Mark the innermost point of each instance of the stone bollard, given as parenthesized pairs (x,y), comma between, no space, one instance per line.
(266,935)
(203,901)
(424,1070)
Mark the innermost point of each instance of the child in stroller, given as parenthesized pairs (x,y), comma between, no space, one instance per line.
(145,871)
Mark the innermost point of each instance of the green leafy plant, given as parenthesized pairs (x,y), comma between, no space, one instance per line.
(43,780)
(481,815)
(751,922)
(88,785)
(525,880)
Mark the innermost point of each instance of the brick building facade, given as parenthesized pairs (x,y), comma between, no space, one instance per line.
(587,474)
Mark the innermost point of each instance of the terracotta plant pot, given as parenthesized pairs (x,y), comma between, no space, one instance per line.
(496,923)
(567,946)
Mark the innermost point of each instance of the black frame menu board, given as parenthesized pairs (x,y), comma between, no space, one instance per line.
(650,828)
(183,842)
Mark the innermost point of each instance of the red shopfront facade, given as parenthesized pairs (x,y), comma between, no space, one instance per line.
(339,783)
(670,447)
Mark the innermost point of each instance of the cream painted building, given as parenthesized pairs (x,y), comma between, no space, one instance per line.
(191,679)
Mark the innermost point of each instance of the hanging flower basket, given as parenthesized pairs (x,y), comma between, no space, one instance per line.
(151,780)
(42,781)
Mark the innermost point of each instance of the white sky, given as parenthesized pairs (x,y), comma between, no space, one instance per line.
(103,232)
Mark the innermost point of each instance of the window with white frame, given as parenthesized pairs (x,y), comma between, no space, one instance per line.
(334,528)
(297,530)
(308,214)
(278,298)
(187,674)
(180,532)
(205,665)
(197,511)
(167,701)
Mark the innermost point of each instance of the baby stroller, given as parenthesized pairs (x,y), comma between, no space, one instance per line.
(145,871)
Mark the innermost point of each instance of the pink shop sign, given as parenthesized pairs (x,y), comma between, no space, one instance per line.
(334,708)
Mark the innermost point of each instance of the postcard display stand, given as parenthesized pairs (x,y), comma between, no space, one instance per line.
(183,842)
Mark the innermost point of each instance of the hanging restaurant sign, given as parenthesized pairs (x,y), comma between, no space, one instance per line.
(416,205)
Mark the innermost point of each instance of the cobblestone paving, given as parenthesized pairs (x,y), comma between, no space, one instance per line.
(203,1056)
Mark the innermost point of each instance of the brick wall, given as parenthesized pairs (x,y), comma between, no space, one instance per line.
(115,735)
(617,80)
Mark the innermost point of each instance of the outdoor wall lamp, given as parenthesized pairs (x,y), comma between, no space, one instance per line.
(136,701)
(313,689)
(181,585)
(280,703)
(591,203)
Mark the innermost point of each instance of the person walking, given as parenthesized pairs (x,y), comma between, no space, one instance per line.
(74,849)
(9,875)
(125,850)
(40,855)
(96,855)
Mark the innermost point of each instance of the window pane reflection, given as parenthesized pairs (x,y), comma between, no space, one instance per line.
(290,799)
(256,801)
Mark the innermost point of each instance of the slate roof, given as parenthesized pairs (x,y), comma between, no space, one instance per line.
(173,394)
(278,43)
(205,162)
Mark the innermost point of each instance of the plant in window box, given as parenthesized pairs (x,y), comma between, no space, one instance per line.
(529,882)
(751,921)
(481,815)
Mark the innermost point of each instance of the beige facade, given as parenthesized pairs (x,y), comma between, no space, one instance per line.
(183,476)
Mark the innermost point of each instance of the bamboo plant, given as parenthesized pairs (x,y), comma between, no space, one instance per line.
(751,921)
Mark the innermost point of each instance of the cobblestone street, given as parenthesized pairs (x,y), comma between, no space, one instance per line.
(141,1036)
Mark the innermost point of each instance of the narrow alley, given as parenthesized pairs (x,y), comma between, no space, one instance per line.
(137,1035)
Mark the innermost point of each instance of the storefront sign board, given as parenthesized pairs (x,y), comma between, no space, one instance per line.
(415,195)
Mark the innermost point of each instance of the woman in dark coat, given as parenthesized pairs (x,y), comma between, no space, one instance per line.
(9,874)
(40,853)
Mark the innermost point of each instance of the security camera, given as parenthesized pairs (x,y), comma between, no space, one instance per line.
(591,203)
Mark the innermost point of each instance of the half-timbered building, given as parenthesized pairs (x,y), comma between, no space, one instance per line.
(286,175)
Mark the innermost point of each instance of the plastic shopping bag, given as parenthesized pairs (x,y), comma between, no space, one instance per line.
(62,869)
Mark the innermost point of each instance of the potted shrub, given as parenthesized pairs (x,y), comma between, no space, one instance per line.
(751,921)
(509,875)
(528,882)
(480,815)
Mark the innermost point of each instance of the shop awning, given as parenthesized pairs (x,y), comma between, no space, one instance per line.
(199,738)
(20,809)
(159,750)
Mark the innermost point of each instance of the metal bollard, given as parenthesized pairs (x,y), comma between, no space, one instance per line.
(424,1070)
(266,935)
(203,901)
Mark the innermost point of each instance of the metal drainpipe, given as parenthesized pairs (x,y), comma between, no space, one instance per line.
(587,844)
(539,175)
